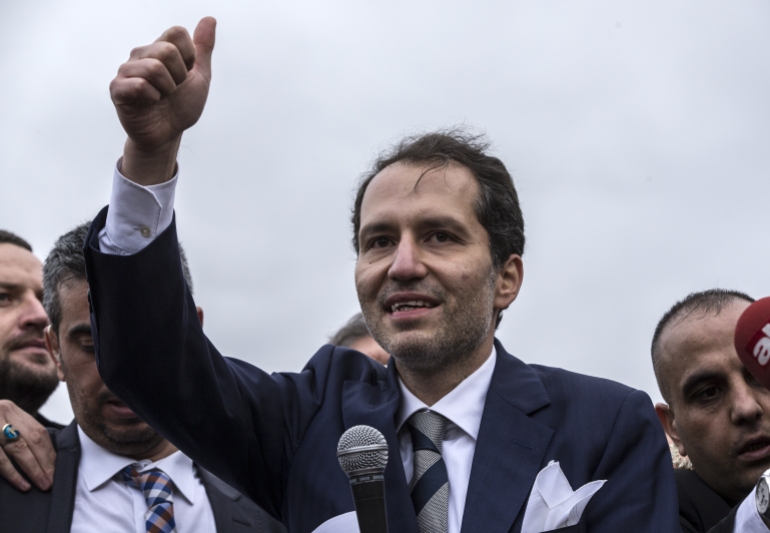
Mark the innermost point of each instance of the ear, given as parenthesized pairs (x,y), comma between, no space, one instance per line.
(667,420)
(509,281)
(199,310)
(52,345)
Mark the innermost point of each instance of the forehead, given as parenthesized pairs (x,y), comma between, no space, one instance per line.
(73,298)
(449,190)
(699,342)
(20,267)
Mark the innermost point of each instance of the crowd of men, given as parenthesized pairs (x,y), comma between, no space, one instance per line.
(169,435)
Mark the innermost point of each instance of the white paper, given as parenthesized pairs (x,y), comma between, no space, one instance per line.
(344,523)
(553,504)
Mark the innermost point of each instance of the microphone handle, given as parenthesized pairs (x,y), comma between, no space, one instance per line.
(369,498)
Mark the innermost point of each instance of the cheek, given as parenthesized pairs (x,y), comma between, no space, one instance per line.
(365,283)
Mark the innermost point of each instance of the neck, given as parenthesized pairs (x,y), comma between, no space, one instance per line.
(163,449)
(430,385)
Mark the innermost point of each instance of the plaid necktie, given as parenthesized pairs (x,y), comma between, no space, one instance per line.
(430,483)
(157,488)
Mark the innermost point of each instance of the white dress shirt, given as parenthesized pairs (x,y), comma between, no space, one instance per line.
(104,502)
(747,519)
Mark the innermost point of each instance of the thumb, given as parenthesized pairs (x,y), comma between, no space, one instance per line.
(203,39)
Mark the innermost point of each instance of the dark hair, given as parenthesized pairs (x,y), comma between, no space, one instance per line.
(6,237)
(66,262)
(497,206)
(354,330)
(710,301)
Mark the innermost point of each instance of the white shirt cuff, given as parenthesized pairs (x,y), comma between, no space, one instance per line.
(137,214)
(747,519)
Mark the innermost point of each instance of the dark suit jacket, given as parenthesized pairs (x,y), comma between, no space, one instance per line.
(701,509)
(43,421)
(51,512)
(275,437)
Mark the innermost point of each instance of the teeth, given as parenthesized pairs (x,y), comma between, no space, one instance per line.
(405,306)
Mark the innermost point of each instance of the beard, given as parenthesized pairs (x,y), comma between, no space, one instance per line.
(27,388)
(129,439)
(463,329)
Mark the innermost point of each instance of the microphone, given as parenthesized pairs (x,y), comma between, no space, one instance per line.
(363,454)
(752,340)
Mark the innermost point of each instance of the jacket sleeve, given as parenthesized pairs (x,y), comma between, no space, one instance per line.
(233,419)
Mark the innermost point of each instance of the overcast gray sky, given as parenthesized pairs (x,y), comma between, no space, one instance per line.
(638,135)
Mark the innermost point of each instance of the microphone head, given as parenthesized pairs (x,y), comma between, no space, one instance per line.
(752,340)
(362,450)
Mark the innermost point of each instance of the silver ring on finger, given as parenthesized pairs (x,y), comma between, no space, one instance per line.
(10,433)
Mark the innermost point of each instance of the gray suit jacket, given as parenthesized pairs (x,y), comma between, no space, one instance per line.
(51,512)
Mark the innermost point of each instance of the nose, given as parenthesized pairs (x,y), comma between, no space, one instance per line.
(407,262)
(746,407)
(33,314)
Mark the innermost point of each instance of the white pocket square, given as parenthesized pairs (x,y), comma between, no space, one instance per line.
(344,523)
(553,504)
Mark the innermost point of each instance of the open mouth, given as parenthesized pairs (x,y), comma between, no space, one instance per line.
(754,449)
(407,305)
(411,305)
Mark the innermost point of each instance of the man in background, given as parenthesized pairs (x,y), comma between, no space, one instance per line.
(112,468)
(717,414)
(355,335)
(27,374)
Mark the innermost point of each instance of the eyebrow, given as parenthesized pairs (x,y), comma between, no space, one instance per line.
(427,223)
(700,377)
(80,329)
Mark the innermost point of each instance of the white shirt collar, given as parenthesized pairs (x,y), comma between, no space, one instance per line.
(98,466)
(463,406)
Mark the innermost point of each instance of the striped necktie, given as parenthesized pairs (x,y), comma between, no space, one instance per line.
(430,483)
(157,488)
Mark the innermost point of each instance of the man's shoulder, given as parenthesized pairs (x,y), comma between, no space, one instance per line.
(563,382)
(578,397)
(339,364)
(229,504)
(31,511)
(700,508)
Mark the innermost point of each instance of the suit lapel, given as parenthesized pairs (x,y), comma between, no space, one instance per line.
(376,406)
(223,500)
(510,447)
(65,480)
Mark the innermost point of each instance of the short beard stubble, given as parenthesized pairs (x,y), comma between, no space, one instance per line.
(461,334)
(25,387)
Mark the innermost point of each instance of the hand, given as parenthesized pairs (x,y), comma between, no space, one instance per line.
(32,451)
(158,93)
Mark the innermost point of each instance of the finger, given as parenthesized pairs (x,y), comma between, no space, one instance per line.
(167,53)
(178,36)
(203,38)
(11,475)
(130,90)
(39,442)
(19,451)
(152,70)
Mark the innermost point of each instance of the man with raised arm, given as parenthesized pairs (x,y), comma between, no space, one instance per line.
(478,440)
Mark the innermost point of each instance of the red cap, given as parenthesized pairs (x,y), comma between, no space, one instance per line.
(752,340)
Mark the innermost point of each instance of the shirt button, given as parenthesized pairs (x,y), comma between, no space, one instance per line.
(145,231)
